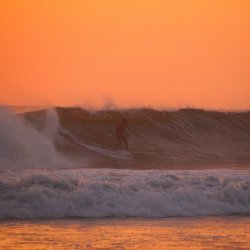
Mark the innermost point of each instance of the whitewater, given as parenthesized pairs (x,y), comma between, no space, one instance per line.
(106,193)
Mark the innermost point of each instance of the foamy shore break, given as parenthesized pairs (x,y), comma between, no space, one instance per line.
(110,193)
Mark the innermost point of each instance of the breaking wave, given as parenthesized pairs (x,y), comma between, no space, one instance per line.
(157,138)
(89,193)
(185,138)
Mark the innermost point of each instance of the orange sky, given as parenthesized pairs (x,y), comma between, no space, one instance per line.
(158,53)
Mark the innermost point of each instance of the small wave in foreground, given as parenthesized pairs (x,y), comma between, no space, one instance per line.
(101,193)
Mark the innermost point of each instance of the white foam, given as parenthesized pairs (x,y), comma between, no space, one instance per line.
(23,146)
(122,193)
(52,124)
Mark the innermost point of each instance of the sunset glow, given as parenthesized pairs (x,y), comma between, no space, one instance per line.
(130,53)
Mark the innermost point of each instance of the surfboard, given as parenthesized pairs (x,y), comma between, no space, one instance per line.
(118,154)
(143,152)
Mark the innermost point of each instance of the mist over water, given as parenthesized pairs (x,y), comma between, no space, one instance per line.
(22,146)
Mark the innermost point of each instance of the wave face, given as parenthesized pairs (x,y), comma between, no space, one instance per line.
(157,138)
(89,193)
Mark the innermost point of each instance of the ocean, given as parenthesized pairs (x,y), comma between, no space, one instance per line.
(183,184)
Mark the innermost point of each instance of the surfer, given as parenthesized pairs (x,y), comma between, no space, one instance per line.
(121,134)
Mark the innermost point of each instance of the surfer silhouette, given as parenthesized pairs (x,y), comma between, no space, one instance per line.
(121,134)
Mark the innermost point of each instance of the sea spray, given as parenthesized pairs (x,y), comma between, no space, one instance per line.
(52,124)
(22,146)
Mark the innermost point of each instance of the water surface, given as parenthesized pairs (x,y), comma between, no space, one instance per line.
(171,233)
